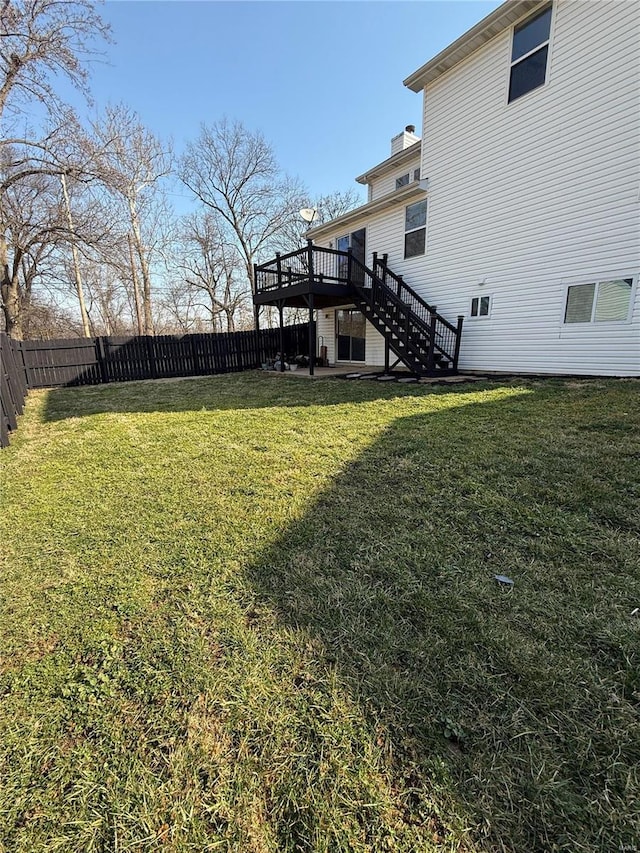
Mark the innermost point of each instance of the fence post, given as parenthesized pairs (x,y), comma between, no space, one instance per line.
(101,358)
(25,369)
(153,369)
(280,310)
(312,338)
(261,348)
(256,307)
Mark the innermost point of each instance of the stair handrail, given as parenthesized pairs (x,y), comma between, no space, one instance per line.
(412,295)
(300,265)
(427,329)
(398,300)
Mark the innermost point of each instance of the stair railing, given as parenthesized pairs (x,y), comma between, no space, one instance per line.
(441,337)
(379,287)
(445,330)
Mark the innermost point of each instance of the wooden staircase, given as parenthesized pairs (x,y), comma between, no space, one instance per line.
(420,338)
(314,277)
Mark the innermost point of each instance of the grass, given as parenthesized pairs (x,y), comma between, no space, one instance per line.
(252,613)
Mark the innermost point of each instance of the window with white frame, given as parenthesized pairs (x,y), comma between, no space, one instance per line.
(480,306)
(416,174)
(402,181)
(599,301)
(529,54)
(415,229)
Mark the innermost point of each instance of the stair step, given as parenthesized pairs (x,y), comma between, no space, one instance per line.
(411,345)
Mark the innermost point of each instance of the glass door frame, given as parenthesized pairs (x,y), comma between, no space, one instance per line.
(351,360)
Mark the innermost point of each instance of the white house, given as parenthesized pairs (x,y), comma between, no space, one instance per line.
(519,208)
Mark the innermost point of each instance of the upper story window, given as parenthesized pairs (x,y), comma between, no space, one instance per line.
(416,174)
(599,302)
(402,181)
(529,54)
(415,228)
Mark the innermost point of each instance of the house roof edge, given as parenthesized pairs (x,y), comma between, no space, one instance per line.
(485,30)
(415,188)
(390,163)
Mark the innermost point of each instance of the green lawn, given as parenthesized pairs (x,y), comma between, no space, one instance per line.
(255,613)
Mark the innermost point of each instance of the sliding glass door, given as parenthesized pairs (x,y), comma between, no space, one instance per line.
(351,333)
(356,242)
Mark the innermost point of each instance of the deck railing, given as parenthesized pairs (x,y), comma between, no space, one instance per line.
(379,287)
(330,266)
(447,336)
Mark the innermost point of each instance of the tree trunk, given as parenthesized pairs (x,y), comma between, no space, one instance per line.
(144,268)
(136,292)
(86,331)
(10,291)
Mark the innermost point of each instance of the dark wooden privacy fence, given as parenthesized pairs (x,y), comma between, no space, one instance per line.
(13,386)
(93,361)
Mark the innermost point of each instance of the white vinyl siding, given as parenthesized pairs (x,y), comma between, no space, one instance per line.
(387,183)
(326,331)
(532,196)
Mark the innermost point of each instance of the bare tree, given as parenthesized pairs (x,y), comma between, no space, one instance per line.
(212,269)
(45,320)
(132,161)
(108,304)
(31,229)
(39,41)
(327,207)
(234,172)
(42,39)
(181,311)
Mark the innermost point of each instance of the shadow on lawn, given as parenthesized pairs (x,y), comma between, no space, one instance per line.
(480,697)
(227,393)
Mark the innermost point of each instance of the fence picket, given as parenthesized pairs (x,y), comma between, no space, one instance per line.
(95,361)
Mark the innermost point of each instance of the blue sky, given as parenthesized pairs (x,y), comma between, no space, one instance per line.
(321,80)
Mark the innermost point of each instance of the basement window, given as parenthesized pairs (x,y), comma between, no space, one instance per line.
(480,306)
(599,302)
(529,54)
(402,181)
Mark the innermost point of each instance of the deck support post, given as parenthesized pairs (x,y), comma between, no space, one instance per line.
(256,308)
(281,315)
(312,337)
(386,355)
(456,352)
